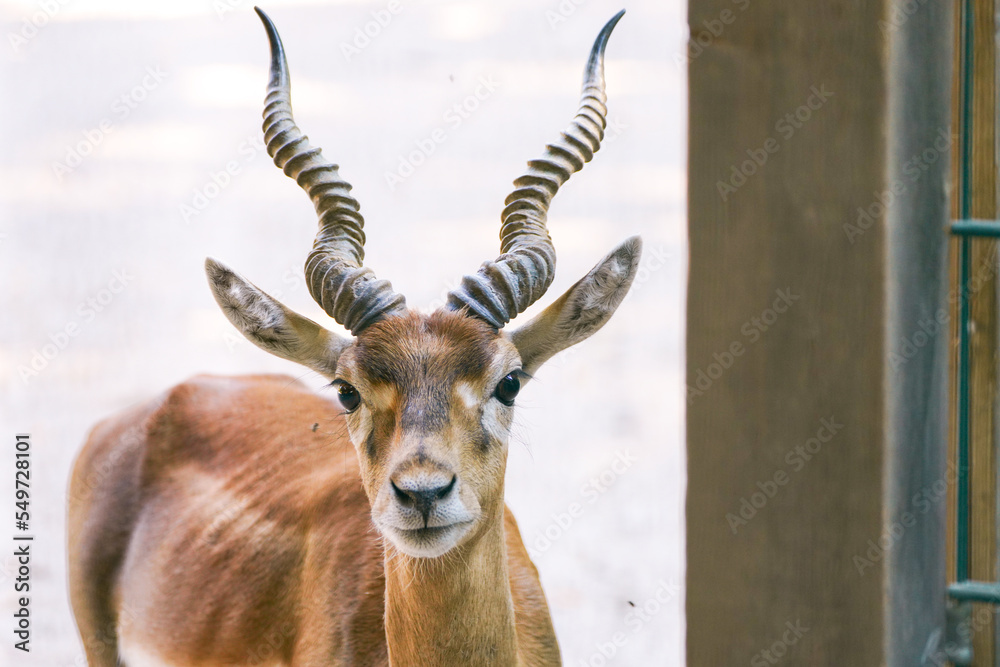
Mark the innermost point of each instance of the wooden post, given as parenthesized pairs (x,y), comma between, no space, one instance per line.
(817,331)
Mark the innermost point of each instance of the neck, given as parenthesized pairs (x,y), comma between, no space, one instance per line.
(453,610)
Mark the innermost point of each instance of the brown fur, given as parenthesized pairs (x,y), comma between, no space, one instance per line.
(215,526)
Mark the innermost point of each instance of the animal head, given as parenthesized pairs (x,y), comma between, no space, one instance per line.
(429,399)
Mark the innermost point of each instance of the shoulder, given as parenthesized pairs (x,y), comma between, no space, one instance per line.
(220,422)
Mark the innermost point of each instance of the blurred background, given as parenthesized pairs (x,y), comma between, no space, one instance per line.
(133,150)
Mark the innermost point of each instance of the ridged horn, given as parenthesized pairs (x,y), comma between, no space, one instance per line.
(520,275)
(337,278)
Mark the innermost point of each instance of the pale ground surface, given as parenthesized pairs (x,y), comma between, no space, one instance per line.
(63,239)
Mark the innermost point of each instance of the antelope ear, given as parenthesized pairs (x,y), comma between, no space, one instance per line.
(582,310)
(271,326)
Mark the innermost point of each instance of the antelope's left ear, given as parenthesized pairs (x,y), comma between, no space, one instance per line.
(582,310)
(270,325)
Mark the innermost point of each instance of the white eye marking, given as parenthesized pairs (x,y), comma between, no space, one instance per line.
(363,418)
(495,424)
(467,394)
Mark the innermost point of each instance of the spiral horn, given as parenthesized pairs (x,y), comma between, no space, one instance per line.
(337,278)
(520,275)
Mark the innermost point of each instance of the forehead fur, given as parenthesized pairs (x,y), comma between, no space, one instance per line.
(443,346)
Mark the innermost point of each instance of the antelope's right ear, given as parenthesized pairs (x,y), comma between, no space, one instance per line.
(582,310)
(271,326)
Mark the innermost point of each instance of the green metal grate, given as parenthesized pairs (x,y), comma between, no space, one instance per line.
(965,590)
(976,228)
(975,591)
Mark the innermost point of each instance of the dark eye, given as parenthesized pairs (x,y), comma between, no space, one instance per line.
(348,396)
(507,389)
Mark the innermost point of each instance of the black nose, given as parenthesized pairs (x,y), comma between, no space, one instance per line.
(422,498)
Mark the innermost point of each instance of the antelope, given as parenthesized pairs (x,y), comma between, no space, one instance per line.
(218,525)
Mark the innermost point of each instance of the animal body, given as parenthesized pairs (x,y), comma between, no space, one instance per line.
(250,521)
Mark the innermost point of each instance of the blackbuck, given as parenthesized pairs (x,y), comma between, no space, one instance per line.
(249,521)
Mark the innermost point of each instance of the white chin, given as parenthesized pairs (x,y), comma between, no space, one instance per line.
(426,542)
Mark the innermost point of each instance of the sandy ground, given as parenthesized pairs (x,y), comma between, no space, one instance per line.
(120,122)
